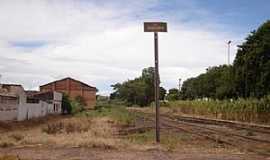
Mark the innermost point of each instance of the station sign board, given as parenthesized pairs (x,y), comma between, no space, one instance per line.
(155,27)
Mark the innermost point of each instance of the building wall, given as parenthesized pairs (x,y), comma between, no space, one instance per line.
(57,102)
(8,108)
(32,110)
(90,98)
(73,89)
(12,109)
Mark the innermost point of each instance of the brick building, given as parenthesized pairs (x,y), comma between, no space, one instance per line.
(73,88)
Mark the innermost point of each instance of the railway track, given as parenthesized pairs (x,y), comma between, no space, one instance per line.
(223,132)
(230,124)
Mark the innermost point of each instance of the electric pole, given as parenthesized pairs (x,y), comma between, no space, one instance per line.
(179,84)
(229,50)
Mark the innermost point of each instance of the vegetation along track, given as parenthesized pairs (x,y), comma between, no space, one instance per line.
(251,138)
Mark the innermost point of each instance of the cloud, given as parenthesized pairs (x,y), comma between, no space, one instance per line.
(99,43)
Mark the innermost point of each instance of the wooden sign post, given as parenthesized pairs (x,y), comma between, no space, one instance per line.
(156,27)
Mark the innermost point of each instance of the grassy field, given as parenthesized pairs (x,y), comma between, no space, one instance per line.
(251,110)
(95,128)
(98,130)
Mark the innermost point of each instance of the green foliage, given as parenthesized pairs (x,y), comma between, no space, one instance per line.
(72,106)
(76,107)
(173,94)
(249,76)
(66,104)
(247,110)
(162,93)
(139,91)
(80,100)
(252,64)
(216,83)
(118,113)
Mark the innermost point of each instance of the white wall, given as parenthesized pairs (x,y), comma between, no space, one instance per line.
(8,112)
(32,110)
(25,111)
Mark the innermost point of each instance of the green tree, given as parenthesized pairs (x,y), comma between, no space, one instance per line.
(249,76)
(139,91)
(66,104)
(252,64)
(216,83)
(162,93)
(173,94)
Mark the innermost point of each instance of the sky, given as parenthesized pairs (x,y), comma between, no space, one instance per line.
(101,42)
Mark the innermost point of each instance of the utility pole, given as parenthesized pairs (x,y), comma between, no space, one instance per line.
(156,27)
(229,50)
(179,84)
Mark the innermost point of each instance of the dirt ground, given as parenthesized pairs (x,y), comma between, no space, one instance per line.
(77,138)
(100,154)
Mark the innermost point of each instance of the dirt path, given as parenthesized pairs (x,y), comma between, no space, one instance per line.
(100,154)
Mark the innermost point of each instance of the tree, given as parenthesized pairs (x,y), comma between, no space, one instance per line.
(66,104)
(173,94)
(249,76)
(139,91)
(217,83)
(252,64)
(162,93)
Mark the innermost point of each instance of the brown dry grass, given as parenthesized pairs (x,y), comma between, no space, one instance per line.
(10,157)
(75,131)
(93,132)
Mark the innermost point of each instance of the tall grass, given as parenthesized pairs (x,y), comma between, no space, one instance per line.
(246,110)
(118,113)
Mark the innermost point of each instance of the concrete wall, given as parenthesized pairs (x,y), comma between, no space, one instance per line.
(8,112)
(33,110)
(8,108)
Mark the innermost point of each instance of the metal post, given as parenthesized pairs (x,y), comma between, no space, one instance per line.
(229,50)
(157,88)
(179,84)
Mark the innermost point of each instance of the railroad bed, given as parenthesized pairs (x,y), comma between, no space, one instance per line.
(248,137)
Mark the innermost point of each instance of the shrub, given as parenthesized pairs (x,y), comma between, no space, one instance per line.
(5,144)
(66,104)
(53,128)
(80,100)
(72,125)
(17,136)
(76,107)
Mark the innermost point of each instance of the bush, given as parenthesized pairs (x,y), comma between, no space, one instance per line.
(5,144)
(118,113)
(66,104)
(69,126)
(53,128)
(17,136)
(76,107)
(80,100)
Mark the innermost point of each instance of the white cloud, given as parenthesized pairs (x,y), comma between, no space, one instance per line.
(99,44)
